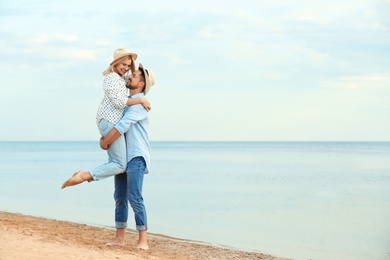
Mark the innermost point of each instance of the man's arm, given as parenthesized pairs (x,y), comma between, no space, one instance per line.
(109,139)
(131,116)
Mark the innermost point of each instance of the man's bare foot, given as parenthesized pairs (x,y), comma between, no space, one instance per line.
(116,242)
(142,240)
(143,246)
(77,178)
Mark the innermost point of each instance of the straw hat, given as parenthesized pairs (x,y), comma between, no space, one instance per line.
(121,52)
(149,78)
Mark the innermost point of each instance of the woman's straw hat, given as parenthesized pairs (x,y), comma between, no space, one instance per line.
(121,52)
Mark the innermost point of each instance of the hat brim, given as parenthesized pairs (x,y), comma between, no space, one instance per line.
(133,56)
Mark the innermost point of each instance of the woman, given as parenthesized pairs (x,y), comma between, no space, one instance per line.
(110,111)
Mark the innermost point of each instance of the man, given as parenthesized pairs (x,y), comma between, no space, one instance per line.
(128,186)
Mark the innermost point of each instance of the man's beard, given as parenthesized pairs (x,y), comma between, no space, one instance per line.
(130,87)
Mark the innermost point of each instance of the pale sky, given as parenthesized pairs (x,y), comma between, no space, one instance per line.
(242,71)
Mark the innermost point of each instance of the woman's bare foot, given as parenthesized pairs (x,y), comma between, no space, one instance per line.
(77,178)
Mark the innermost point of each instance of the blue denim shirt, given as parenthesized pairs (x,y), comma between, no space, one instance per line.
(135,125)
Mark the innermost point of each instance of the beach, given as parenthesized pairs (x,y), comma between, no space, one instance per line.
(29,237)
(301,201)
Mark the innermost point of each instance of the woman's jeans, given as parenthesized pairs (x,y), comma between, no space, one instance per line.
(116,155)
(128,187)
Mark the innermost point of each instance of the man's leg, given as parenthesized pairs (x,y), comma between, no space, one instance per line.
(135,177)
(143,240)
(121,210)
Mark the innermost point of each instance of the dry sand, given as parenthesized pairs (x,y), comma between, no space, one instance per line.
(26,237)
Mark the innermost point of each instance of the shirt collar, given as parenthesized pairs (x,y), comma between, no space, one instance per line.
(138,95)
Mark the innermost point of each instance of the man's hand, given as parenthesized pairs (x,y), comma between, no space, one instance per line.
(103,145)
(105,142)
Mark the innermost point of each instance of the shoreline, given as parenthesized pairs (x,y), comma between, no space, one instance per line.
(30,237)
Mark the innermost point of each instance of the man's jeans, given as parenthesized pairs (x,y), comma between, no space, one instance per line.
(128,187)
(116,155)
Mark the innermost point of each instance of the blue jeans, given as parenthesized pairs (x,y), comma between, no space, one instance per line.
(116,155)
(128,188)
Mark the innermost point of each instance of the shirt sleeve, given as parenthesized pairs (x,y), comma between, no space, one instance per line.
(115,90)
(132,115)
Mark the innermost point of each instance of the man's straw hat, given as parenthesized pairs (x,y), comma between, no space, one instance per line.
(149,78)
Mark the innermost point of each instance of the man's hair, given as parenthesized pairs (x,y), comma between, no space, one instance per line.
(142,78)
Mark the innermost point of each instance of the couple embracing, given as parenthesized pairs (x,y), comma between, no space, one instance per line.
(123,122)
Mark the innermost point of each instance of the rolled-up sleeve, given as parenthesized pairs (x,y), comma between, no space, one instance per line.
(132,115)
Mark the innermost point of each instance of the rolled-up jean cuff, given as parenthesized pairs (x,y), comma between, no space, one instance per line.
(120,225)
(143,227)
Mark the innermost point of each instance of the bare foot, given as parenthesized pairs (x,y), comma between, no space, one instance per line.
(143,247)
(142,240)
(116,242)
(77,178)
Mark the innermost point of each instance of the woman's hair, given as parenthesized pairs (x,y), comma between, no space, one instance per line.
(112,66)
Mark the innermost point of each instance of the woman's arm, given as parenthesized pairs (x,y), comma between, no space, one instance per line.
(143,101)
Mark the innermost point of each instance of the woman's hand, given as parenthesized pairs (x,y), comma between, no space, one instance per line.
(146,104)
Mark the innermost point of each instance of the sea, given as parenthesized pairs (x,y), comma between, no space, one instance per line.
(299,200)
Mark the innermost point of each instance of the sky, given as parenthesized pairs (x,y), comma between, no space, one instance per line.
(244,70)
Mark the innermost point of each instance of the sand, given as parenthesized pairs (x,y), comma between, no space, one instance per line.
(27,237)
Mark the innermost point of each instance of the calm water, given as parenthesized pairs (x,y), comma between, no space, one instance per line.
(302,200)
